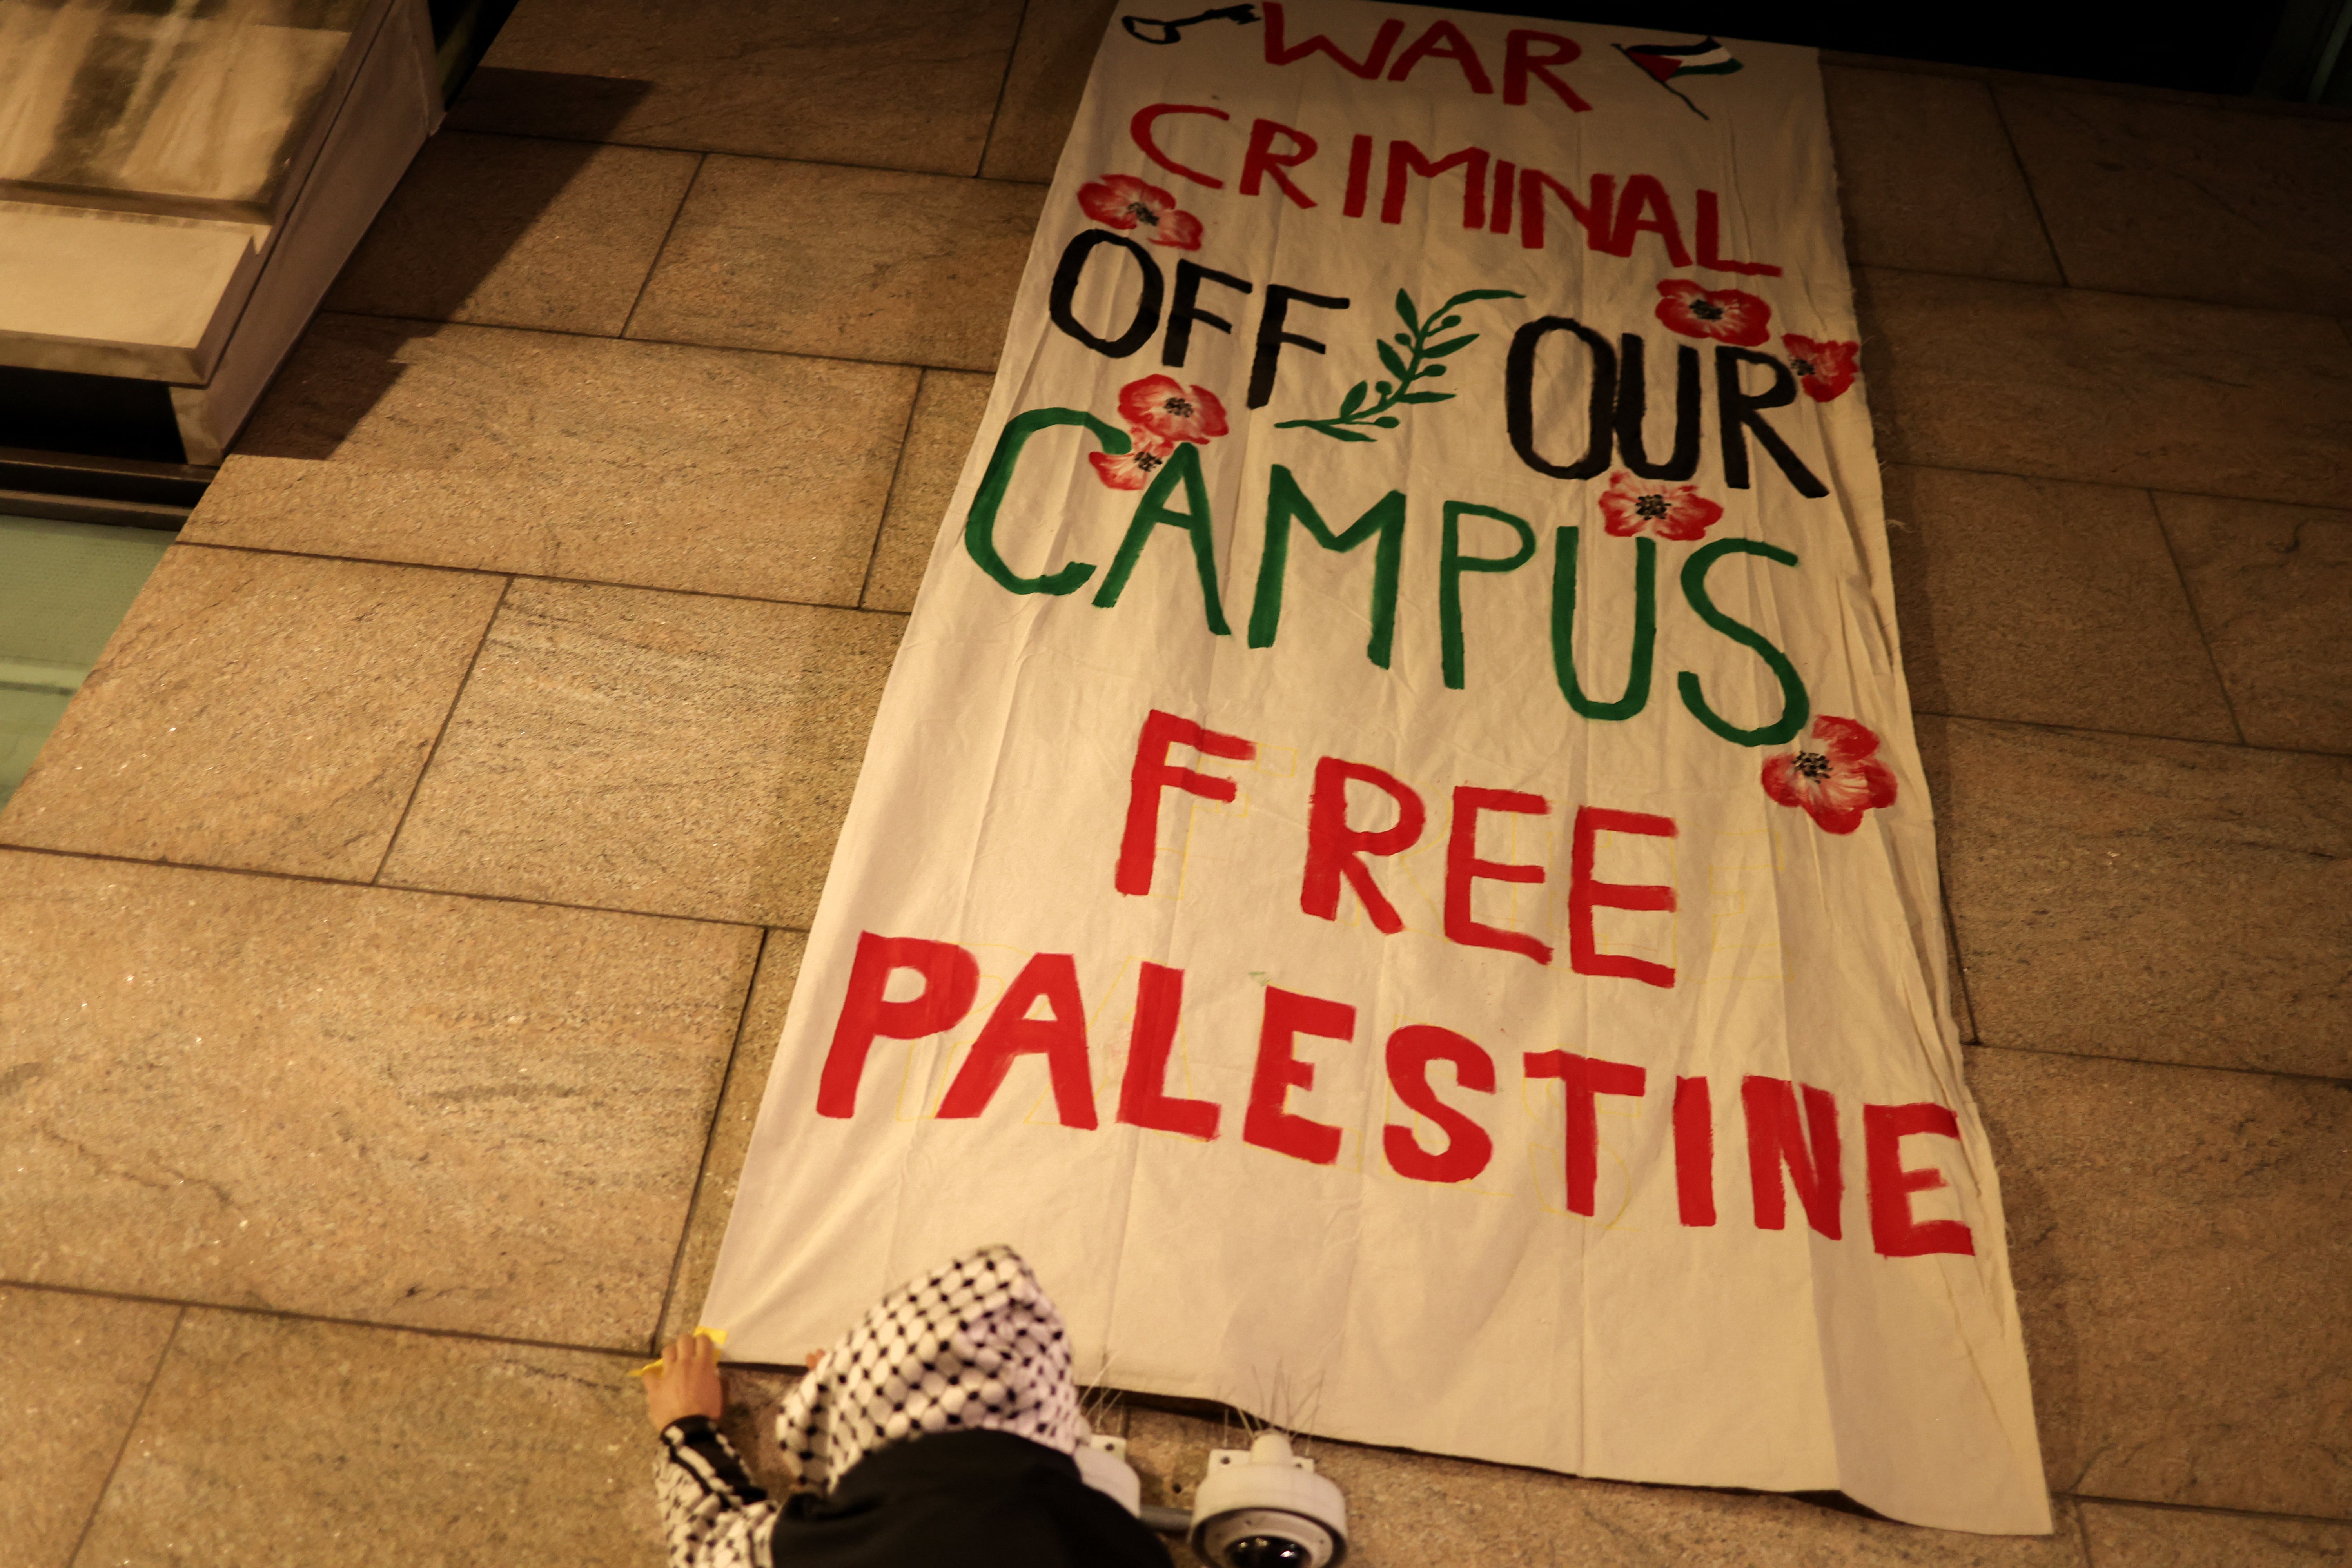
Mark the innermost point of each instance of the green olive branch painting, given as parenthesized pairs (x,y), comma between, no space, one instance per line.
(1418,363)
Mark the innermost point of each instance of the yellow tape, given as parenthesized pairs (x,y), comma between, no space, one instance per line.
(704,1332)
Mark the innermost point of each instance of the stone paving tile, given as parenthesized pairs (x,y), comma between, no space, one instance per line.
(1928,179)
(518,232)
(1956,983)
(910,85)
(2183,1276)
(657,752)
(1043,87)
(671,468)
(264,712)
(754,1395)
(2066,383)
(1421,1510)
(351,1101)
(2273,586)
(2047,601)
(731,1132)
(72,1371)
(2190,203)
(947,416)
(269,1440)
(2159,899)
(852,263)
(1996,77)
(2122,1536)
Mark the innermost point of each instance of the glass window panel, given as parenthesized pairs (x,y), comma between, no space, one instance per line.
(64,587)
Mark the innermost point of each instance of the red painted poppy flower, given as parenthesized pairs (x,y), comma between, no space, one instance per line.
(1834,774)
(1823,369)
(1133,470)
(1170,411)
(1123,202)
(1725,315)
(1630,506)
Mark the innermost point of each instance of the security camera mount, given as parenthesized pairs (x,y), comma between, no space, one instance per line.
(1102,1465)
(1263,1507)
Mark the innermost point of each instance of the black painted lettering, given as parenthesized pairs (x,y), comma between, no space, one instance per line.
(1146,320)
(1519,398)
(1184,310)
(1742,413)
(1271,335)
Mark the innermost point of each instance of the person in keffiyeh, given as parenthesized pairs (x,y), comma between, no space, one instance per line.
(938,1431)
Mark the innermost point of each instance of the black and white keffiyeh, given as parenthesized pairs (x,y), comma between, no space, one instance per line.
(976,1345)
(712,1515)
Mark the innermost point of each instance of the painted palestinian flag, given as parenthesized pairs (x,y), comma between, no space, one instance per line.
(1667,61)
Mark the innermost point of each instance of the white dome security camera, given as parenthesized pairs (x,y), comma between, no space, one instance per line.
(1266,1508)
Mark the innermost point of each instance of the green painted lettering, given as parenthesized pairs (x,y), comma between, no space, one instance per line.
(1183,468)
(1795,706)
(1636,695)
(980,523)
(1452,564)
(1284,503)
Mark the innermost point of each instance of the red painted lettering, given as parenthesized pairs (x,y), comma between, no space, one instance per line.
(1268,1124)
(1280,51)
(1592,215)
(1694,1152)
(1262,160)
(1587,893)
(1359,176)
(951,979)
(1152,773)
(1463,867)
(1645,208)
(1893,1231)
(1467,1147)
(1139,128)
(1143,1097)
(1775,1140)
(1498,213)
(1583,1079)
(1527,53)
(1060,1038)
(1710,242)
(1405,159)
(1443,41)
(1335,850)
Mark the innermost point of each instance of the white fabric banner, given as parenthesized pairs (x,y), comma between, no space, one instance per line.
(1393,865)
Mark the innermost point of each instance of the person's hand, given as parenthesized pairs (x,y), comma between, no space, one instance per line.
(685,1384)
